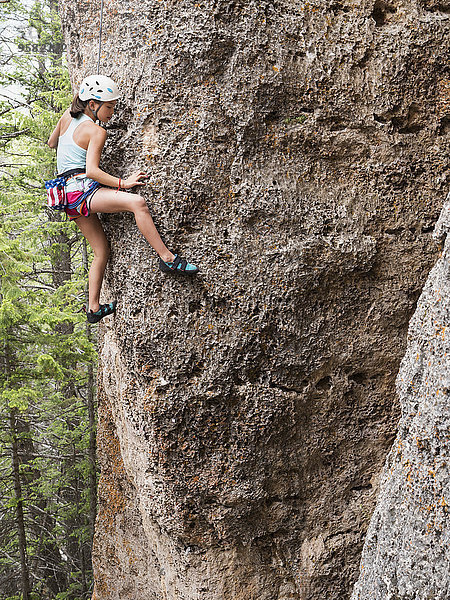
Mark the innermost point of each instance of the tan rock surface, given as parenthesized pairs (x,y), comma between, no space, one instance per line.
(406,551)
(298,153)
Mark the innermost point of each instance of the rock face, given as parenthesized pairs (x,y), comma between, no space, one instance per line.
(297,152)
(406,552)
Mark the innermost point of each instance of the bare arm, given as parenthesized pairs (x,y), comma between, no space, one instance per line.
(53,139)
(97,138)
(96,142)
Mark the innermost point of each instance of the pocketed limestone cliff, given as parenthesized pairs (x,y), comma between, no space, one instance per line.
(298,152)
(406,552)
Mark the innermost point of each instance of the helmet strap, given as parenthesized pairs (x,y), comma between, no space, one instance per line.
(95,111)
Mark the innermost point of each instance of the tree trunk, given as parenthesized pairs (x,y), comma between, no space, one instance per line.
(25,578)
(20,521)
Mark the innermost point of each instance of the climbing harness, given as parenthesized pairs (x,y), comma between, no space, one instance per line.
(56,189)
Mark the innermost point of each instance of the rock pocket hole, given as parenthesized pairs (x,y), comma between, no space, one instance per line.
(198,368)
(324,383)
(381,13)
(194,306)
(358,378)
(362,487)
(445,126)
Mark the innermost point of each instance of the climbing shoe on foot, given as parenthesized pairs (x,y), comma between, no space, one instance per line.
(178,265)
(103,311)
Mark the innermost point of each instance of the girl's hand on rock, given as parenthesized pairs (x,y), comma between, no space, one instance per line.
(135,179)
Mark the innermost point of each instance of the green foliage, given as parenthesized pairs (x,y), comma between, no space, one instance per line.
(46,350)
(296,120)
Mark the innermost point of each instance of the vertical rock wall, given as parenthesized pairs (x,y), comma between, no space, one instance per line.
(298,153)
(406,552)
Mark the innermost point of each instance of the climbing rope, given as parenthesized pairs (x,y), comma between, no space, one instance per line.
(100,39)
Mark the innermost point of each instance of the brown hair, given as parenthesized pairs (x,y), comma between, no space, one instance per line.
(77,107)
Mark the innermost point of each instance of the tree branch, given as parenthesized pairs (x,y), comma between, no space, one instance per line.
(7,136)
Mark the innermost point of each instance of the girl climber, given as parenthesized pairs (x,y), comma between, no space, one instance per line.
(79,142)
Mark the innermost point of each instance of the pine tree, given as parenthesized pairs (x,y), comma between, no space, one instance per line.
(47,416)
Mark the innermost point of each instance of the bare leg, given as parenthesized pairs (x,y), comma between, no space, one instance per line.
(106,200)
(92,230)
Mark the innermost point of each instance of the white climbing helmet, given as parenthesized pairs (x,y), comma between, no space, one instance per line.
(98,87)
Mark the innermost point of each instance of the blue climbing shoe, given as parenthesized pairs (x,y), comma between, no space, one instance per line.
(103,311)
(178,265)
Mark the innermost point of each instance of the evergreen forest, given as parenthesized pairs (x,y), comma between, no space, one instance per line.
(47,396)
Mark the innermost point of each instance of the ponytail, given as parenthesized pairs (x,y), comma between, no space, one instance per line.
(77,107)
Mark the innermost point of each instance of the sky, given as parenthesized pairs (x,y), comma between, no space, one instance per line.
(9,29)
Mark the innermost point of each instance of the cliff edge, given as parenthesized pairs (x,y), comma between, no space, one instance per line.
(406,552)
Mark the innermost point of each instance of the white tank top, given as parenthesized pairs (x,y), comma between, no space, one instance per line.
(69,155)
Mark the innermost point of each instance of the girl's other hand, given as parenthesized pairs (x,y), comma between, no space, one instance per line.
(135,179)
